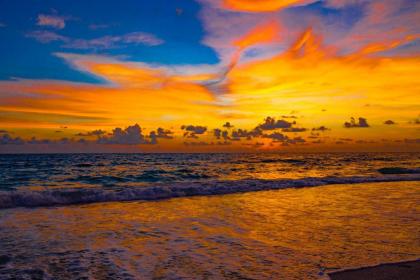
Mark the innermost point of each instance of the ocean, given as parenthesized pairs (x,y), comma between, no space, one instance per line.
(205,216)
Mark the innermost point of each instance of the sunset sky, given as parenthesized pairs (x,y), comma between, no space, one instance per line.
(209,75)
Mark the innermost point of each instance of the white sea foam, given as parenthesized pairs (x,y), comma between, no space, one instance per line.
(66,196)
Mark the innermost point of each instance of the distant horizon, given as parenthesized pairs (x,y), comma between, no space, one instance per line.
(217,152)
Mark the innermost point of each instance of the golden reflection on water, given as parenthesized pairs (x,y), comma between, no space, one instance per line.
(284,234)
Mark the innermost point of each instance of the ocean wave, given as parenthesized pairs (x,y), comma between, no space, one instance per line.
(68,196)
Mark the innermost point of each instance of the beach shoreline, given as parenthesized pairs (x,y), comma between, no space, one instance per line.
(72,196)
(279,234)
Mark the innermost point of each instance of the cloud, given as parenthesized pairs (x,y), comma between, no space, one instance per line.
(142,38)
(296,140)
(283,139)
(344,3)
(62,141)
(160,133)
(412,141)
(276,136)
(243,133)
(268,124)
(44,36)
(227,125)
(97,132)
(320,128)
(294,129)
(191,131)
(362,122)
(385,25)
(271,124)
(54,21)
(204,143)
(110,42)
(389,122)
(260,6)
(132,135)
(159,91)
(2,24)
(314,135)
(263,33)
(218,133)
(164,133)
(5,139)
(35,141)
(105,42)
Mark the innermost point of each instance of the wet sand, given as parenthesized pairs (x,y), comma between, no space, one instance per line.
(402,271)
(293,234)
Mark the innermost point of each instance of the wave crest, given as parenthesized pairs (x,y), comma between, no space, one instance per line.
(68,196)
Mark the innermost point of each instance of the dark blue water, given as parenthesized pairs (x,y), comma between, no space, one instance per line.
(73,177)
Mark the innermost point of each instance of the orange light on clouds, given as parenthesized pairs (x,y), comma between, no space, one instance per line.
(309,80)
(264,33)
(260,5)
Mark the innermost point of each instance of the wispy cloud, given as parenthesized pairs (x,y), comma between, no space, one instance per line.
(141,38)
(54,21)
(110,42)
(105,42)
(2,24)
(44,36)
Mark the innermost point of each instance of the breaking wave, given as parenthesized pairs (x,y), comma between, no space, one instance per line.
(69,196)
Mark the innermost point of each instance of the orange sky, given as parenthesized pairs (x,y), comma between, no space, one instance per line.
(313,85)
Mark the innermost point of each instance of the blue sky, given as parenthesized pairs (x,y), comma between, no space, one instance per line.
(174,22)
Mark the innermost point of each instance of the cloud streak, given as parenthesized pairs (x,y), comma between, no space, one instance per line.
(105,42)
(54,21)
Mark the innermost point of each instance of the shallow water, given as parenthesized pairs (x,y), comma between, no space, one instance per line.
(282,234)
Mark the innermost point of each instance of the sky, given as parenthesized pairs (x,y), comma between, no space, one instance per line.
(209,76)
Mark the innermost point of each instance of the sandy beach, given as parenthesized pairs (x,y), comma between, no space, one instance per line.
(289,234)
(393,271)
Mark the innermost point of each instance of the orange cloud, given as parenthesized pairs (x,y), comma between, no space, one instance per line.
(133,93)
(264,33)
(261,5)
(323,84)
